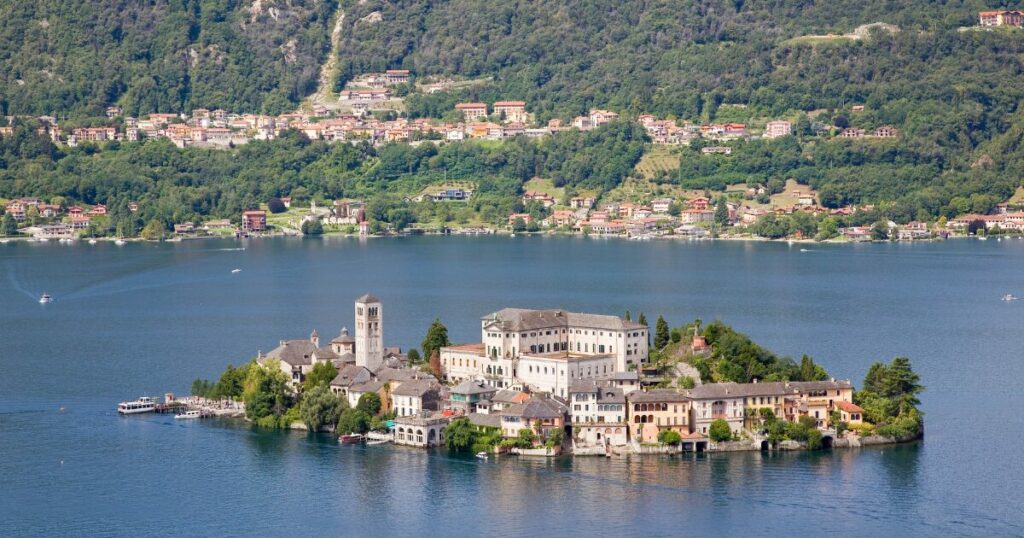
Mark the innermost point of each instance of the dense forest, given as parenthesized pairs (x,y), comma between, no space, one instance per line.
(73,59)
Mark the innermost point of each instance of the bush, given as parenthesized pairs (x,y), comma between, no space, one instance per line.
(814,440)
(312,227)
(720,431)
(275,205)
(670,437)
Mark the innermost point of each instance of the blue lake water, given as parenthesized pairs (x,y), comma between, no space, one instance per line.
(148,318)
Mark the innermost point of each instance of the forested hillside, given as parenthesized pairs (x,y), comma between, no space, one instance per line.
(953,92)
(74,58)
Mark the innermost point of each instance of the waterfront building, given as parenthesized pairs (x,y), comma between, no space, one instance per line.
(423,432)
(598,415)
(540,414)
(254,220)
(369,332)
(655,411)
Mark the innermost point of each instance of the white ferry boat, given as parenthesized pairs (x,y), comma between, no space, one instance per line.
(144,404)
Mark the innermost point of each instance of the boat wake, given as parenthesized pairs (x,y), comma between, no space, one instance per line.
(13,279)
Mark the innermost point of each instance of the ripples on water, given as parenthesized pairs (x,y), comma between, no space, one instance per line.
(142,319)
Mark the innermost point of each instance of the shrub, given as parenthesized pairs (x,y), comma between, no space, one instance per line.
(720,431)
(275,205)
(669,437)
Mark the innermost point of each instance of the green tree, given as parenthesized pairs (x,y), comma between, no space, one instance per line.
(518,225)
(202,387)
(880,231)
(154,230)
(266,392)
(719,431)
(321,375)
(686,382)
(353,421)
(369,403)
(9,226)
(459,435)
(628,316)
(526,438)
(809,371)
(436,338)
(275,205)
(321,408)
(670,437)
(312,227)
(413,356)
(721,211)
(661,333)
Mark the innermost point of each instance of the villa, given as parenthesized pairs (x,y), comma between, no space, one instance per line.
(546,349)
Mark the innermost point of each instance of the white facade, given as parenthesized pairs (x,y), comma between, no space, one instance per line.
(555,372)
(369,332)
(512,332)
(570,346)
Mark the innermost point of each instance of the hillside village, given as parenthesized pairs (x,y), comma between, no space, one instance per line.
(370,110)
(582,383)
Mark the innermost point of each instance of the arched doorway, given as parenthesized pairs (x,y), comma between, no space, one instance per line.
(826,442)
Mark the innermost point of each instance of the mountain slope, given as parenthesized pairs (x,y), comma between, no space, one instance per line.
(75,58)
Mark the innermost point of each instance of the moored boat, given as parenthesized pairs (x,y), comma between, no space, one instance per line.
(144,404)
(1010,297)
(46,298)
(192,413)
(351,438)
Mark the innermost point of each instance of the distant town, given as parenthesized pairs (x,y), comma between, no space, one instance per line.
(541,382)
(367,111)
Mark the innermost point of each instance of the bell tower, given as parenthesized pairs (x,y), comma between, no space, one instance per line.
(369,332)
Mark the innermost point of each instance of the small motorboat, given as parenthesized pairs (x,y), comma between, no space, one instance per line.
(1010,297)
(377,442)
(481,455)
(192,413)
(92,241)
(119,242)
(236,270)
(351,438)
(46,298)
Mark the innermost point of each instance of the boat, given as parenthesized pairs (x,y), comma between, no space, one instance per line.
(481,455)
(804,250)
(192,413)
(46,298)
(144,404)
(92,241)
(236,270)
(119,242)
(1010,297)
(983,238)
(376,441)
(351,438)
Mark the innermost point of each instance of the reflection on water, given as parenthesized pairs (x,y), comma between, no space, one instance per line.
(144,319)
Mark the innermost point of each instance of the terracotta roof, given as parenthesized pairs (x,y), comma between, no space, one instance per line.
(849,407)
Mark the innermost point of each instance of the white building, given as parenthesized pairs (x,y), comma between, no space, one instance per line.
(777,128)
(555,372)
(369,332)
(515,342)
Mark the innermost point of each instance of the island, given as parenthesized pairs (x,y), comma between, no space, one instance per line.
(552,382)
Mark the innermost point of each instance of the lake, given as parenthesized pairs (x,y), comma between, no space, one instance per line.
(149,318)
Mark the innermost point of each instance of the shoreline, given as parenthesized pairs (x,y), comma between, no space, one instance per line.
(502,233)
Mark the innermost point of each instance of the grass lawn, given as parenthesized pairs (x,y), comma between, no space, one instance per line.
(1018,197)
